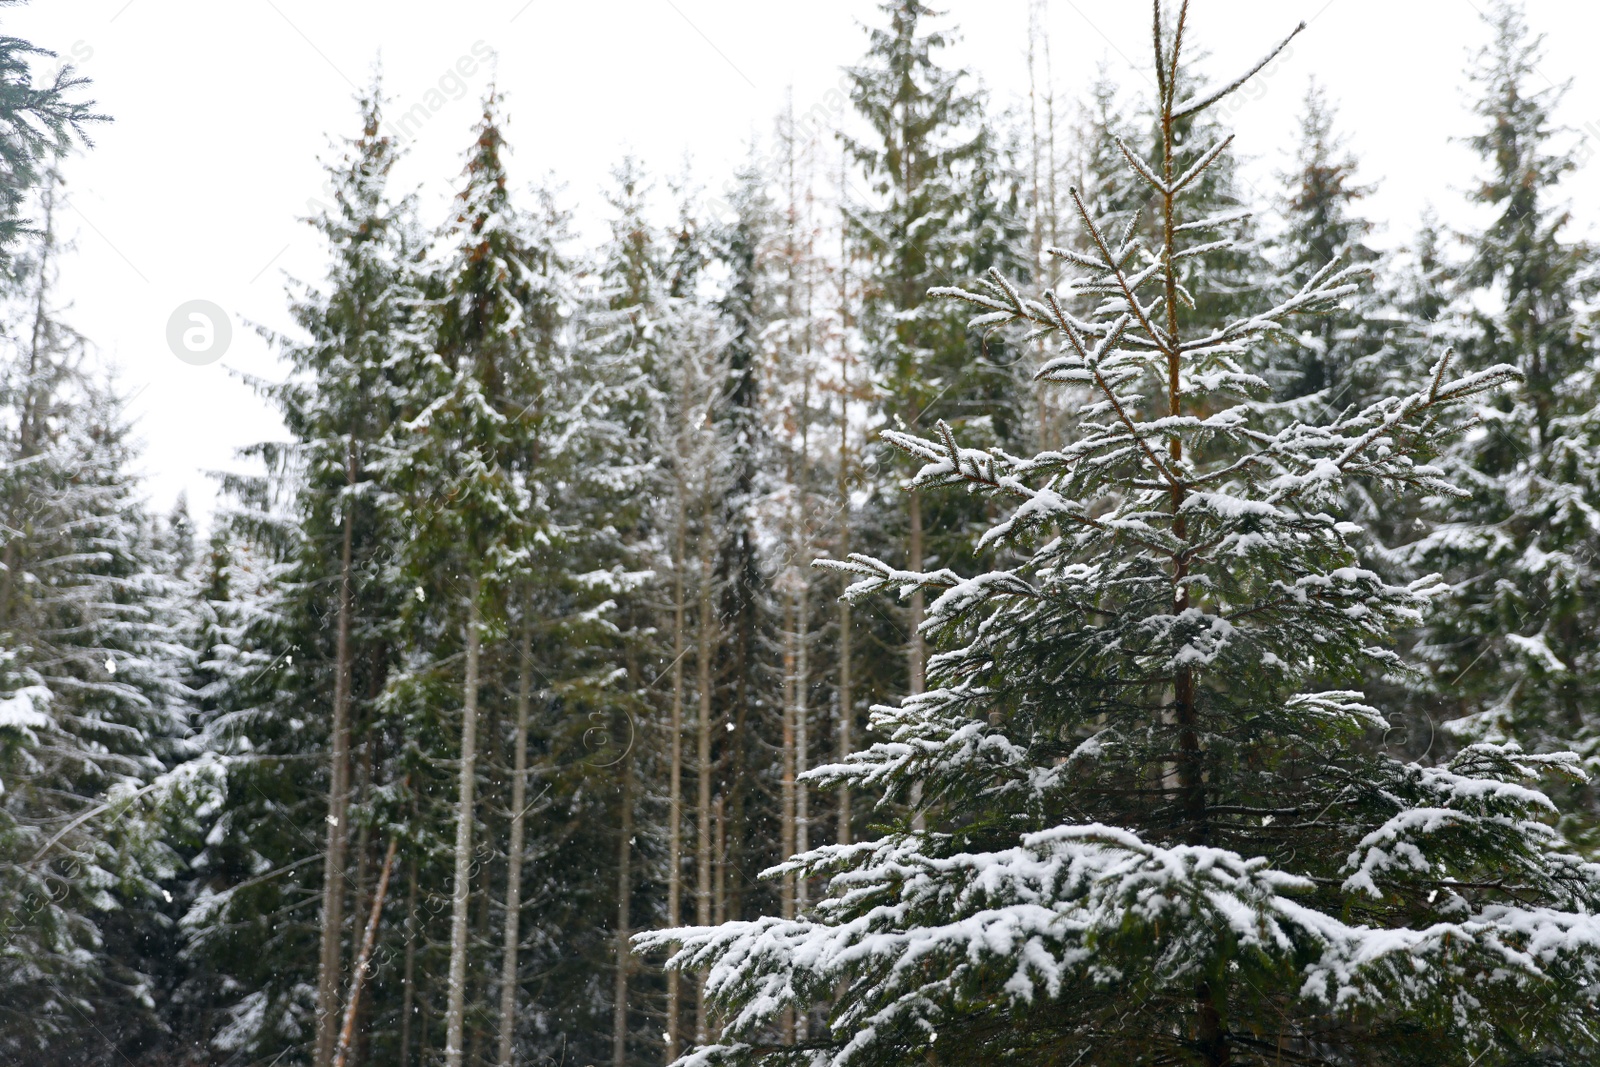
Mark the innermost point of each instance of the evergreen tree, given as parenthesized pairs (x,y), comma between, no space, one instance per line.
(749,613)
(927,143)
(1321,225)
(94,712)
(472,513)
(1153,829)
(313,626)
(1515,658)
(39,122)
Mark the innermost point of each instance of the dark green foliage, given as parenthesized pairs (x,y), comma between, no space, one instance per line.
(39,121)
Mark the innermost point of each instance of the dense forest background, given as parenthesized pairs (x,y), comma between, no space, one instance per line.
(514,648)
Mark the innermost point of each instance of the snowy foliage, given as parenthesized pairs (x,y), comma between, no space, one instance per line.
(1158,825)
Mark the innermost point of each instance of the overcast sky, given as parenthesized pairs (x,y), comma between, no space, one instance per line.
(222,110)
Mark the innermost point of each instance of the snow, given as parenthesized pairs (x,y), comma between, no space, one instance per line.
(20,711)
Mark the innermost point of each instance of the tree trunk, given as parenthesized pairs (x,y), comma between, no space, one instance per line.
(787,836)
(364,958)
(802,807)
(408,999)
(619,1007)
(455,1010)
(802,735)
(707,626)
(483,852)
(786,827)
(360,891)
(1213,1038)
(846,690)
(675,783)
(331,959)
(519,800)
(719,880)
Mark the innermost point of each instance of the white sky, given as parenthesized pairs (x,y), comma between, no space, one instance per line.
(222,110)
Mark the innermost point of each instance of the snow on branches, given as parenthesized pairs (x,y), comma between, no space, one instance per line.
(1158,817)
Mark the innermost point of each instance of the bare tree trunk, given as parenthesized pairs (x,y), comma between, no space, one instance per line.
(333,860)
(519,801)
(408,980)
(619,1008)
(787,836)
(364,958)
(846,689)
(719,883)
(455,1011)
(360,891)
(707,625)
(786,830)
(802,735)
(483,852)
(675,785)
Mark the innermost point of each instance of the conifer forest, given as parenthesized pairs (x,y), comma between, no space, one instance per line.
(998,587)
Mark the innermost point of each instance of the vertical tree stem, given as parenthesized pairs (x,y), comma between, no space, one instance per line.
(332,955)
(455,1012)
(519,801)
(364,958)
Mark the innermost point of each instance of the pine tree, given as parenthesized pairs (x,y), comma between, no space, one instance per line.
(1154,829)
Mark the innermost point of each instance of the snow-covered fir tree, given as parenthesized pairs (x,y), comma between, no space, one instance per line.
(94,712)
(40,120)
(923,147)
(306,610)
(1321,224)
(1150,824)
(464,476)
(1516,659)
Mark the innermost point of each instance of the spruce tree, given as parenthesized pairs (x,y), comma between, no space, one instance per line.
(927,141)
(339,406)
(39,122)
(94,712)
(745,247)
(1515,657)
(306,605)
(1154,828)
(463,475)
(1321,225)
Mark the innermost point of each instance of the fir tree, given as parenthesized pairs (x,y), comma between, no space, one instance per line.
(39,122)
(340,407)
(464,476)
(1153,830)
(1515,657)
(316,624)
(1321,225)
(927,141)
(746,246)
(93,709)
